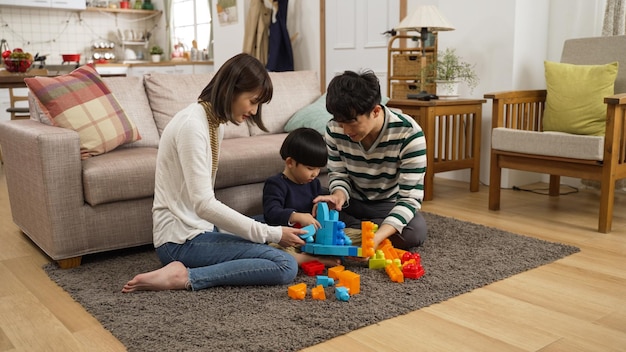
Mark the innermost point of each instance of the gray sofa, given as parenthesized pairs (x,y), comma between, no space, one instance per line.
(70,208)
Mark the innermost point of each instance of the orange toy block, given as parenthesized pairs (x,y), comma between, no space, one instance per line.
(333,272)
(388,250)
(318,293)
(394,273)
(297,291)
(351,281)
(368,229)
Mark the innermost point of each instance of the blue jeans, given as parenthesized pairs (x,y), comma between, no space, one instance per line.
(220,259)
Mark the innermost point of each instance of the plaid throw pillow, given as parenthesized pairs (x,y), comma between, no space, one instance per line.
(81,101)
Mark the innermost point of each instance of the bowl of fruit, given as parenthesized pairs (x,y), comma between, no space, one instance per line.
(17,60)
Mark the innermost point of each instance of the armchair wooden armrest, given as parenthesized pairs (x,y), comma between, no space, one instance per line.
(522,109)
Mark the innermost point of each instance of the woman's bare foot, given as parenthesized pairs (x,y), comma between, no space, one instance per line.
(327,261)
(173,276)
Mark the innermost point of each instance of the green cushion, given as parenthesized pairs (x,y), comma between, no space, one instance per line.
(314,116)
(575,97)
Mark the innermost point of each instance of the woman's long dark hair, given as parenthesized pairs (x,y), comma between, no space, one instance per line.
(241,73)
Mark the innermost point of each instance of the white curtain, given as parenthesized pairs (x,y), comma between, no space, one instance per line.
(614,18)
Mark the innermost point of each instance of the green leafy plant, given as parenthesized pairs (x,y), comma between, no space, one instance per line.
(451,67)
(156,50)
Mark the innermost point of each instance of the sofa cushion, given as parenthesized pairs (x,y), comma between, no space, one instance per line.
(314,116)
(548,143)
(168,94)
(126,173)
(131,95)
(292,91)
(575,97)
(249,160)
(81,101)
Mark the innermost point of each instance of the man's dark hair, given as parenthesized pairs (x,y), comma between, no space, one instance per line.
(305,146)
(241,73)
(351,94)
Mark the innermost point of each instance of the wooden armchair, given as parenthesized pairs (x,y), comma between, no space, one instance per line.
(518,140)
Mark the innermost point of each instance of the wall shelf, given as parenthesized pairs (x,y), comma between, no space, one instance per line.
(118,10)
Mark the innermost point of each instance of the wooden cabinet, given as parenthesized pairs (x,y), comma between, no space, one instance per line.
(404,62)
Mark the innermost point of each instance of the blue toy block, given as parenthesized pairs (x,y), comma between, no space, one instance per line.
(324,281)
(310,231)
(341,293)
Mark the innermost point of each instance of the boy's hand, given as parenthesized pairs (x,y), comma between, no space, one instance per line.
(335,201)
(304,219)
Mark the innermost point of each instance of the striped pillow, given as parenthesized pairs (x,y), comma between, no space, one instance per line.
(81,101)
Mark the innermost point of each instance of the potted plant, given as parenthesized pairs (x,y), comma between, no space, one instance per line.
(155,53)
(448,71)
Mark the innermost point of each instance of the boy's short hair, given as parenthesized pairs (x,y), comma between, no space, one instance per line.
(351,94)
(306,146)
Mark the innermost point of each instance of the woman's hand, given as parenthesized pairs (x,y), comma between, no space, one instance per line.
(291,237)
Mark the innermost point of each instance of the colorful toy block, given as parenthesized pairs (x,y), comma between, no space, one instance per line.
(335,270)
(312,268)
(342,294)
(378,261)
(368,229)
(308,236)
(351,280)
(394,273)
(318,293)
(413,271)
(297,291)
(324,281)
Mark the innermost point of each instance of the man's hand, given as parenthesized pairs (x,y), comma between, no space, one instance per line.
(335,201)
(291,237)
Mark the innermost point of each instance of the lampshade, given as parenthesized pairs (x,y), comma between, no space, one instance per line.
(425,17)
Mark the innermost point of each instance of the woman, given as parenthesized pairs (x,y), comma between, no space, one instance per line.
(186,215)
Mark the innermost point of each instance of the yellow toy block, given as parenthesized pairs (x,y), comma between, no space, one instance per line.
(378,261)
(318,293)
(297,291)
(333,272)
(351,281)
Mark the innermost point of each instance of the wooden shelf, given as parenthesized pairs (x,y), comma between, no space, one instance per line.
(118,10)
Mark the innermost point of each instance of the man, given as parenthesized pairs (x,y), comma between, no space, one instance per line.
(376,161)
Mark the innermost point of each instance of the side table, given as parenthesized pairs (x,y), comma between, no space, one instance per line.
(452,131)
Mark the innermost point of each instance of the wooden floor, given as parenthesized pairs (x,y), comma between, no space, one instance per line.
(575,304)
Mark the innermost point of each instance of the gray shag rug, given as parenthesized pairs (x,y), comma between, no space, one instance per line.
(458,257)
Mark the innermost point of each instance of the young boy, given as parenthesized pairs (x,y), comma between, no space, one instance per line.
(288,196)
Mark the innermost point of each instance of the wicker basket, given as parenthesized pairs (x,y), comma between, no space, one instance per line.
(399,90)
(406,65)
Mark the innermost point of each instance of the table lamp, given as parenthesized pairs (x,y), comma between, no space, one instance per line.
(425,18)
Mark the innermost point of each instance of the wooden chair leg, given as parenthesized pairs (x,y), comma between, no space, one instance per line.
(69,262)
(495,178)
(607,198)
(554,188)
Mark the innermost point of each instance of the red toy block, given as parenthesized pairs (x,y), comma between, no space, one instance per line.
(297,291)
(313,267)
(413,271)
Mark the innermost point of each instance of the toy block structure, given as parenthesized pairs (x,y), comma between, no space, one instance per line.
(330,238)
(368,229)
(297,291)
(318,293)
(342,293)
(312,268)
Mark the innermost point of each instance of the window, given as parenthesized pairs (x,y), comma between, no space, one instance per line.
(191,20)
